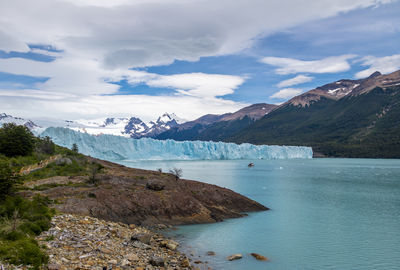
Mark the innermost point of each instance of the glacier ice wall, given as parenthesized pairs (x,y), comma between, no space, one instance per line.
(111,147)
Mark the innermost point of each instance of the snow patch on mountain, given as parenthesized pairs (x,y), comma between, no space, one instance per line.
(130,127)
(5,118)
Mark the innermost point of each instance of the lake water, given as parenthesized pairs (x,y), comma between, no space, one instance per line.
(325,213)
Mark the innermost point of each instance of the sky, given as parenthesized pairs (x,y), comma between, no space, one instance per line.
(88,59)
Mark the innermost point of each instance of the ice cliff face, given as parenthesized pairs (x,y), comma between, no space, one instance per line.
(111,147)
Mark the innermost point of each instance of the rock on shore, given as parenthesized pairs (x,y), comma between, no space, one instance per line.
(78,242)
(129,195)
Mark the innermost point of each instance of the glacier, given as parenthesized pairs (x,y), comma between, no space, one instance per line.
(110,147)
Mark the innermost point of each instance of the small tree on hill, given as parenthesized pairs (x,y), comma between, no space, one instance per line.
(94,169)
(16,140)
(46,145)
(7,180)
(176,172)
(75,148)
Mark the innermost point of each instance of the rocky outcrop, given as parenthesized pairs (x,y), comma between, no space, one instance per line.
(78,242)
(124,195)
(234,257)
(259,257)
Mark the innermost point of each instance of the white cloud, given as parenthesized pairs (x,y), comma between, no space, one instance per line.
(46,52)
(11,43)
(199,84)
(326,65)
(299,79)
(69,75)
(66,74)
(76,90)
(36,104)
(143,33)
(101,41)
(287,93)
(384,65)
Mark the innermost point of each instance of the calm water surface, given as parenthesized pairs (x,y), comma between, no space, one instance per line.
(325,213)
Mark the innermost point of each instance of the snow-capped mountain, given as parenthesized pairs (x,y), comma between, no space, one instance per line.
(163,123)
(127,127)
(342,88)
(5,118)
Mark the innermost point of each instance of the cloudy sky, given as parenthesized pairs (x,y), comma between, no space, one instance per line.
(75,59)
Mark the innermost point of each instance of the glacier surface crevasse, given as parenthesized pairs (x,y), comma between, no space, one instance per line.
(111,147)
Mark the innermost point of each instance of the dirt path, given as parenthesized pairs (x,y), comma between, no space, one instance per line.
(31,168)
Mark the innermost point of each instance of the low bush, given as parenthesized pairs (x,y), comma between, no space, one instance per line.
(20,221)
(24,251)
(77,167)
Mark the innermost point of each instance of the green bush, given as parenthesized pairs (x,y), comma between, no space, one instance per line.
(45,145)
(24,251)
(26,211)
(30,228)
(7,179)
(77,167)
(16,140)
(20,220)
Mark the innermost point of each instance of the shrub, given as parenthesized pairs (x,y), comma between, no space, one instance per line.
(74,148)
(176,172)
(45,145)
(20,220)
(7,179)
(16,140)
(94,169)
(24,251)
(77,167)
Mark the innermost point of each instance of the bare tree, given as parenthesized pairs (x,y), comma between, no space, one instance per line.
(15,219)
(176,172)
(94,169)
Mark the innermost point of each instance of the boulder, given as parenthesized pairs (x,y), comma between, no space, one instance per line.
(210,253)
(234,257)
(132,257)
(125,262)
(53,266)
(156,261)
(185,263)
(170,244)
(259,257)
(142,237)
(63,161)
(113,261)
(155,185)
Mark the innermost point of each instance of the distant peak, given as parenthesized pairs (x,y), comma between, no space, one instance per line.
(375,74)
(167,117)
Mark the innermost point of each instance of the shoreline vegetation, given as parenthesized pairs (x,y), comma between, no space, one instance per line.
(54,201)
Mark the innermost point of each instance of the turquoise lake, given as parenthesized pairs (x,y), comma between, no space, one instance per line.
(325,213)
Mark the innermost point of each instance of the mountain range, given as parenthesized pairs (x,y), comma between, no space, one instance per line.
(346,118)
(124,126)
(212,127)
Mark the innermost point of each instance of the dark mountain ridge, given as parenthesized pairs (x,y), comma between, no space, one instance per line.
(347,118)
(217,127)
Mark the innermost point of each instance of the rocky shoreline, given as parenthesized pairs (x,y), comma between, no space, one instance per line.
(105,225)
(81,242)
(142,197)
